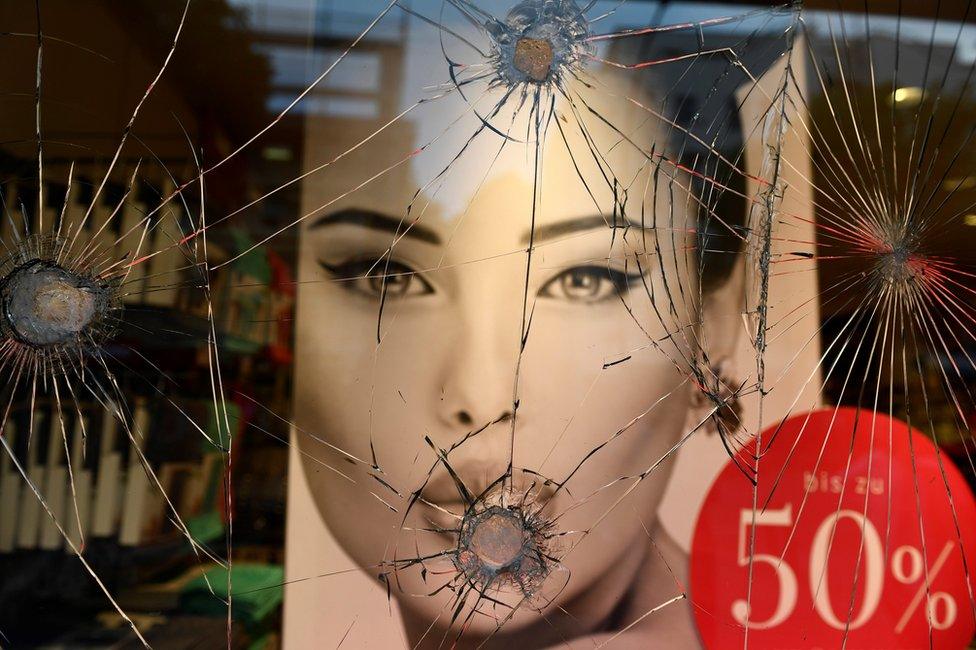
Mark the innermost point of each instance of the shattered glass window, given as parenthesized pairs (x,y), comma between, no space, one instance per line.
(487,323)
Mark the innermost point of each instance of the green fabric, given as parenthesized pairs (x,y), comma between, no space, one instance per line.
(257,590)
(217,425)
(262,642)
(255,263)
(205,528)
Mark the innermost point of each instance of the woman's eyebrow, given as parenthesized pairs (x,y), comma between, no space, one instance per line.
(560,228)
(378,221)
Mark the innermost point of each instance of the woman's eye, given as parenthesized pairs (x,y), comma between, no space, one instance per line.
(378,278)
(587,284)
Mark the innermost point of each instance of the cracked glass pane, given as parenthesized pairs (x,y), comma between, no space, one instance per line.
(474,323)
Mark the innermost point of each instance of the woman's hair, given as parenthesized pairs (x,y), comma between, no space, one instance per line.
(718,184)
(719,243)
(700,129)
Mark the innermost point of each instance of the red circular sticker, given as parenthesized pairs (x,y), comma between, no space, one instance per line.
(841,551)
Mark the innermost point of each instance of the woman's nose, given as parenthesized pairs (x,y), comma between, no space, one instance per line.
(466,419)
(479,367)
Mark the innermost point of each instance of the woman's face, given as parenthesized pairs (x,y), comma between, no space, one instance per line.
(440,357)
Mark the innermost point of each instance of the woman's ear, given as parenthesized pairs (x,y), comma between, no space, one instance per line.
(721,318)
(716,395)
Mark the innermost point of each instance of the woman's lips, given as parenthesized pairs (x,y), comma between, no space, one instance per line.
(444,507)
(441,487)
(442,490)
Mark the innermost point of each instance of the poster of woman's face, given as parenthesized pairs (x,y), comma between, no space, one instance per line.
(496,350)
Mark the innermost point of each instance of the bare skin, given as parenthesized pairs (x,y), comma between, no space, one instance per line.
(649,576)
